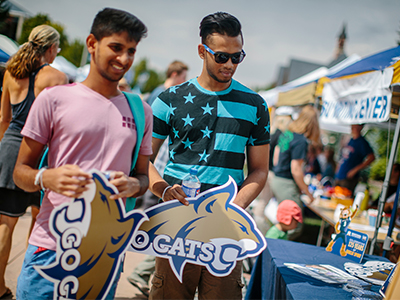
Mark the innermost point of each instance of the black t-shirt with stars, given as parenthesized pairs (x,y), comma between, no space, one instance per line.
(209,130)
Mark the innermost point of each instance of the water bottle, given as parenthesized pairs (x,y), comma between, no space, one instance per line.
(191,184)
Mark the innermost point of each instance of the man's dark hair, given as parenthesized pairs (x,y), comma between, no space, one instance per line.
(222,23)
(110,20)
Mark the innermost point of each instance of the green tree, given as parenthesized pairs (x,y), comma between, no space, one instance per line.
(383,141)
(139,68)
(153,81)
(152,78)
(42,19)
(72,52)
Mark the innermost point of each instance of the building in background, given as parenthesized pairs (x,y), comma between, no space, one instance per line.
(298,68)
(13,26)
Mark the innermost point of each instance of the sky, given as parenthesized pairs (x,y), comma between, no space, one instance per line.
(274,31)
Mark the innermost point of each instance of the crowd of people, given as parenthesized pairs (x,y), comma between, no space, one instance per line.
(296,151)
(28,73)
(212,122)
(58,120)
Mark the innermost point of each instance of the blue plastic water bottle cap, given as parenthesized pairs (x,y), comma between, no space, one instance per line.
(193,171)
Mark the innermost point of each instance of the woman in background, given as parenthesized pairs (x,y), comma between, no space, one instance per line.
(330,169)
(290,156)
(27,73)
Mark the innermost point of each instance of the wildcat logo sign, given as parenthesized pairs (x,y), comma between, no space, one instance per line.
(92,235)
(212,232)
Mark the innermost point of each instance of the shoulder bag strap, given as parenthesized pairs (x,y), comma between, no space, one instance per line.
(136,105)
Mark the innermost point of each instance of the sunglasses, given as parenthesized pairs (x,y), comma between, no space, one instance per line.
(222,57)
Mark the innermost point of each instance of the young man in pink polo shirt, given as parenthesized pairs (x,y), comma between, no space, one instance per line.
(85,126)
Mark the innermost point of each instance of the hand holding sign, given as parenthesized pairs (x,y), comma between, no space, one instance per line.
(92,232)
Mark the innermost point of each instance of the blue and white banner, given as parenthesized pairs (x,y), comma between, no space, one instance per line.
(361,99)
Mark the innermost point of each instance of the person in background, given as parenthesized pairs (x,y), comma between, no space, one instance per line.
(282,118)
(288,216)
(79,122)
(140,277)
(28,72)
(289,158)
(391,190)
(211,122)
(176,74)
(312,165)
(356,156)
(321,156)
(388,209)
(123,86)
(330,166)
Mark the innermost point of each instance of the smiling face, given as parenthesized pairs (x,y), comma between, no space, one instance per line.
(112,56)
(220,73)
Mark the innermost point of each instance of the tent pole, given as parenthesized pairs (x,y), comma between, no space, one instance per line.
(382,198)
(388,240)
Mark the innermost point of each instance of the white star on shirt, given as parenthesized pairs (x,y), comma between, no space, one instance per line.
(207,109)
(203,156)
(189,98)
(206,132)
(188,120)
(173,89)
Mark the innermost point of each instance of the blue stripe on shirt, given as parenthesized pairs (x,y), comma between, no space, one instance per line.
(230,142)
(236,110)
(206,174)
(160,110)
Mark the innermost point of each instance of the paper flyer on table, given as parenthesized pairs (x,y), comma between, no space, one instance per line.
(388,280)
(323,272)
(373,271)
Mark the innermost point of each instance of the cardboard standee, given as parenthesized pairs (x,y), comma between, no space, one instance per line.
(212,232)
(347,242)
(93,233)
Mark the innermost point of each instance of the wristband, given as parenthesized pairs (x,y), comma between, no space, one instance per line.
(163,193)
(39,179)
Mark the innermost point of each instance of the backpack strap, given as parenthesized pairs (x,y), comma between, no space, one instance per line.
(136,105)
(43,163)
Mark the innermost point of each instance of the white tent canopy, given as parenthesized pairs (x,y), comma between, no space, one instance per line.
(82,73)
(62,64)
(271,96)
(8,45)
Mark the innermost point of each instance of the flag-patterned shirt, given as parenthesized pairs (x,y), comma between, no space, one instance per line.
(209,130)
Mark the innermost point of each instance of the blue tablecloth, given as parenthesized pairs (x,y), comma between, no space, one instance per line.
(270,279)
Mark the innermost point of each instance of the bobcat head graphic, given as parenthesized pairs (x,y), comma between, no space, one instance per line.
(92,234)
(211,231)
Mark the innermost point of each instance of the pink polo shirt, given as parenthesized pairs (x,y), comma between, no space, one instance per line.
(86,129)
